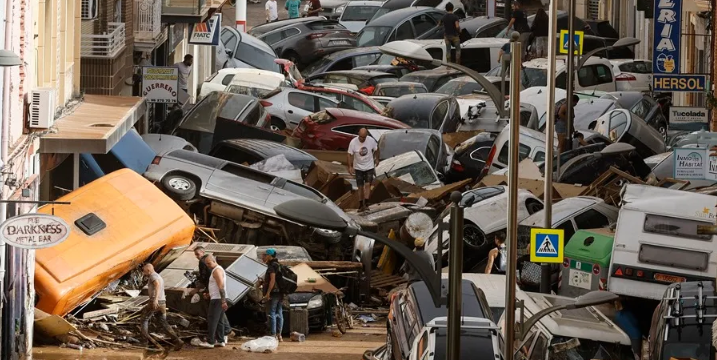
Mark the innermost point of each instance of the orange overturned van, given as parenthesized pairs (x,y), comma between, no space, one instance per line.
(117,222)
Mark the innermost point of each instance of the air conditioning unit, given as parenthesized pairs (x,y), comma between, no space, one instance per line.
(89,9)
(42,108)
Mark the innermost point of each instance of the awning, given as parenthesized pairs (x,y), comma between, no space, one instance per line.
(95,126)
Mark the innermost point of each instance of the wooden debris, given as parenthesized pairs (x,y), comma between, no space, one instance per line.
(111,310)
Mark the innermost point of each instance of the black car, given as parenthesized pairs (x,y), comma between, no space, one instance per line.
(223,116)
(412,308)
(481,26)
(643,106)
(343,60)
(360,78)
(428,142)
(304,42)
(433,78)
(397,70)
(469,158)
(418,22)
(426,111)
(251,151)
(584,169)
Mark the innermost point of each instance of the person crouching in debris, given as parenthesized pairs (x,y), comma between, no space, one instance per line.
(420,250)
(272,294)
(216,333)
(497,257)
(157,305)
(363,159)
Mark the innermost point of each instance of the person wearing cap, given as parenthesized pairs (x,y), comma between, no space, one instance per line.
(420,250)
(272,294)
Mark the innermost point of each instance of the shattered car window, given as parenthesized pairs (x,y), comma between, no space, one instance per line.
(397,91)
(322,117)
(420,172)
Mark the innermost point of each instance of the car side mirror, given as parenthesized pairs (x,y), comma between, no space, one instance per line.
(228,52)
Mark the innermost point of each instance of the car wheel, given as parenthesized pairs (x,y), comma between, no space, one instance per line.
(533,206)
(473,236)
(277,125)
(179,187)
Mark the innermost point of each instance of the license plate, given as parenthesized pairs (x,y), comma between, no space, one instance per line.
(339,43)
(580,279)
(669,278)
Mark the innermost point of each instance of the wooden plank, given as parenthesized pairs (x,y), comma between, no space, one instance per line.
(111,310)
(316,265)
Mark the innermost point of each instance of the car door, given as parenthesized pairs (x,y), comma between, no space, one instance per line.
(422,24)
(301,104)
(433,153)
(439,115)
(589,219)
(226,48)
(404,31)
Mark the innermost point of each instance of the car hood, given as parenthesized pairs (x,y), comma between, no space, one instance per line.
(300,298)
(332,3)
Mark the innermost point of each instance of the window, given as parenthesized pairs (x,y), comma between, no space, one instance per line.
(350,129)
(591,219)
(523,152)
(229,40)
(480,154)
(256,57)
(336,79)
(539,156)
(612,125)
(326,103)
(422,24)
(404,31)
(642,108)
(227,79)
(436,16)
(272,38)
(289,33)
(593,75)
(439,114)
(357,104)
(436,53)
(665,225)
(637,67)
(247,173)
(423,345)
(344,64)
(433,150)
(302,101)
(538,351)
(568,229)
(233,154)
(492,31)
(363,60)
(673,257)
(477,59)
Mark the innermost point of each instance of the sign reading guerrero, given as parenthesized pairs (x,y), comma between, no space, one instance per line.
(34,231)
(159,84)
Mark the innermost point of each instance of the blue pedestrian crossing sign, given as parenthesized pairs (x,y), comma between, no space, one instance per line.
(546,245)
(577,37)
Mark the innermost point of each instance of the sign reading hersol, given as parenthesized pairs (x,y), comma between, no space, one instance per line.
(34,231)
(159,84)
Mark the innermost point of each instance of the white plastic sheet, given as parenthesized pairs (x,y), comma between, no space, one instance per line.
(279,166)
(261,345)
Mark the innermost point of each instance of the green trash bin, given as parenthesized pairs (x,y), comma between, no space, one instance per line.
(587,262)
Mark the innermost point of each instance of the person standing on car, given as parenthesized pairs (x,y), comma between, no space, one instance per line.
(292,6)
(561,122)
(497,256)
(540,33)
(315,8)
(363,159)
(420,250)
(518,21)
(216,334)
(272,13)
(272,294)
(157,305)
(451,33)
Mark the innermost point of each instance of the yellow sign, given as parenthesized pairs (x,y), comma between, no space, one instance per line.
(546,245)
(577,38)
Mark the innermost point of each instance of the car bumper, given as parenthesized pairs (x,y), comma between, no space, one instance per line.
(317,316)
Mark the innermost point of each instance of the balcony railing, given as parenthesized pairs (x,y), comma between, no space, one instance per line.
(185,7)
(147,19)
(106,45)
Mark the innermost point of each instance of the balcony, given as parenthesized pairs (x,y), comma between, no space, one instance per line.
(147,20)
(104,46)
(185,11)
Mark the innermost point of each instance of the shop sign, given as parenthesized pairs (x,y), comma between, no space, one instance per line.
(689,164)
(34,231)
(687,115)
(159,84)
(206,33)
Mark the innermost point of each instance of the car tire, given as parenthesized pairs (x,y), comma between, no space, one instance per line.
(277,124)
(473,236)
(533,206)
(179,187)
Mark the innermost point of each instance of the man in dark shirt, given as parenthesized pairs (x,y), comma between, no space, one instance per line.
(451,33)
(315,8)
(273,294)
(518,21)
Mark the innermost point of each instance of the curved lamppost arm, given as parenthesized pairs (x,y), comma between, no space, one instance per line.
(534,319)
(492,91)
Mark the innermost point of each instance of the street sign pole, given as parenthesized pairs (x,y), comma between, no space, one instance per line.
(571,75)
(550,137)
(512,238)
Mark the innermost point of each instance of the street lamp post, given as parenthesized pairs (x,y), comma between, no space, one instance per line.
(455,276)
(413,51)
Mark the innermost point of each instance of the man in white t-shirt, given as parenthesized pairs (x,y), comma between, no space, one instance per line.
(185,68)
(272,13)
(363,159)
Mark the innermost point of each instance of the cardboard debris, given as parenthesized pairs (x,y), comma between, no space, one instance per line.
(308,280)
(52,325)
(453,139)
(537,187)
(438,194)
(528,170)
(609,185)
(320,172)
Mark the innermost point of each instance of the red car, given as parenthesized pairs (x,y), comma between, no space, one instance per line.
(353,99)
(333,129)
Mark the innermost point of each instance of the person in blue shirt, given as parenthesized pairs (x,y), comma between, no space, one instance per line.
(627,321)
(293,7)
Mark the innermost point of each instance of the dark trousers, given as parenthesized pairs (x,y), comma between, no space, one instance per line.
(161,311)
(217,322)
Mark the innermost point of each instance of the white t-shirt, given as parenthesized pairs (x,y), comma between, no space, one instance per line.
(363,153)
(271,6)
(184,71)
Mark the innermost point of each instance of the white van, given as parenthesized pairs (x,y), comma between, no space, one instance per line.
(656,241)
(480,55)
(532,146)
